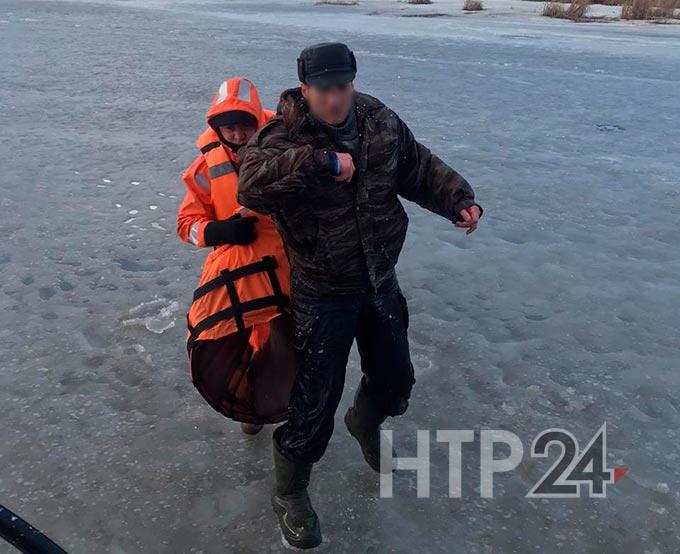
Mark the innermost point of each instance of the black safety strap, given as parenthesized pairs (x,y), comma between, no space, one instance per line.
(235,300)
(268,263)
(208,147)
(276,287)
(211,320)
(238,308)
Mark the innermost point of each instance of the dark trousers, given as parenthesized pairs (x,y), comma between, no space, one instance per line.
(325,329)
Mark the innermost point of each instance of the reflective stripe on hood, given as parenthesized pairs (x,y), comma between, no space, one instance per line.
(237,93)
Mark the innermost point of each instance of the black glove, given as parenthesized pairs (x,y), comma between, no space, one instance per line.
(235,230)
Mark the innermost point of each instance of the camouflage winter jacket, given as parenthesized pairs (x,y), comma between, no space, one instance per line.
(344,237)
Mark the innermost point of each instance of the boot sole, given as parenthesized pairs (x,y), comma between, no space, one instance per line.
(252,430)
(281,512)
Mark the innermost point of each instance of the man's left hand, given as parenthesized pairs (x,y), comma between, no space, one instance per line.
(470,219)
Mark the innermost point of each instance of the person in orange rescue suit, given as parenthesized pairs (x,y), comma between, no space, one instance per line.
(240,339)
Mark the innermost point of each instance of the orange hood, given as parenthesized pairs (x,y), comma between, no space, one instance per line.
(238,93)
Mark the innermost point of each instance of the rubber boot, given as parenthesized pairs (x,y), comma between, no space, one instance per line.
(297,519)
(251,428)
(363,422)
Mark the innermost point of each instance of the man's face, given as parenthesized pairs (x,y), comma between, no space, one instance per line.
(238,133)
(330,104)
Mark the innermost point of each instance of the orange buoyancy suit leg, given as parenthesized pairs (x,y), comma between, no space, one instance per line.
(240,335)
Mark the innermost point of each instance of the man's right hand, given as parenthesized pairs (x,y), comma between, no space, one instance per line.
(346,167)
(470,218)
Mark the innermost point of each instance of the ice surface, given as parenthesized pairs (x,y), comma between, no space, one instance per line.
(560,311)
(157,315)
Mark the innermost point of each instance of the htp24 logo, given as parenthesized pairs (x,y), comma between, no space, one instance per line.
(574,468)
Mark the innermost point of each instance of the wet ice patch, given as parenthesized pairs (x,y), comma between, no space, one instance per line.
(521,36)
(134,265)
(157,315)
(46,293)
(422,363)
(65,285)
(140,351)
(663,488)
(534,389)
(508,409)
(609,127)
(657,509)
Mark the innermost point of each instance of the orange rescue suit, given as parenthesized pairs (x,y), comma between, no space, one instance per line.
(241,286)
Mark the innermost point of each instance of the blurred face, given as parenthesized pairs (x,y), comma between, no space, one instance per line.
(237,133)
(330,104)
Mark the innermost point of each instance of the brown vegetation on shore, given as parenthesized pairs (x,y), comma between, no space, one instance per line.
(650,9)
(576,10)
(473,5)
(630,9)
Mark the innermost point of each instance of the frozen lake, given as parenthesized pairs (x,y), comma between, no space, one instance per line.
(560,311)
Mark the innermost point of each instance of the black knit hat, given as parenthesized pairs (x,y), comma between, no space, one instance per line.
(327,64)
(233,117)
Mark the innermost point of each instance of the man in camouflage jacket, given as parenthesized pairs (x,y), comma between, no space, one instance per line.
(330,168)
